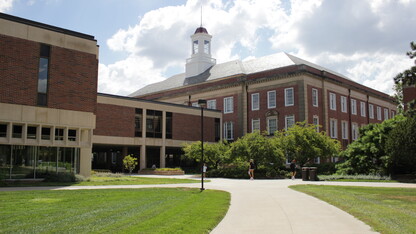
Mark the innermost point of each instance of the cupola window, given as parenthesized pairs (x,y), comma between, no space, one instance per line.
(195,47)
(206,47)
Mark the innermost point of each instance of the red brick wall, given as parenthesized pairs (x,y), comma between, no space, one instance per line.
(113,120)
(409,94)
(188,128)
(72,75)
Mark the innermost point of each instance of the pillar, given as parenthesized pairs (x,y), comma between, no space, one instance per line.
(85,162)
(142,157)
(162,157)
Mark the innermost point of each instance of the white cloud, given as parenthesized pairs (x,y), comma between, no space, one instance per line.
(6,5)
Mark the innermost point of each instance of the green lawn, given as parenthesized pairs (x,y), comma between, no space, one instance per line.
(155,210)
(387,210)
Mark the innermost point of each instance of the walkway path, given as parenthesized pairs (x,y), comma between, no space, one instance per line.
(269,206)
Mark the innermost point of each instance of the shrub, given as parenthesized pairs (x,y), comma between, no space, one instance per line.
(58,177)
(354,177)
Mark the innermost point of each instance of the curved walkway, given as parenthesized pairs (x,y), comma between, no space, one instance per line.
(269,206)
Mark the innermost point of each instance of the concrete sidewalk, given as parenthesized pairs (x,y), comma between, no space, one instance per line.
(269,206)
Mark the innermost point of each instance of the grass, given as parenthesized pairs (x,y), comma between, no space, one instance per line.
(386,210)
(155,210)
(108,180)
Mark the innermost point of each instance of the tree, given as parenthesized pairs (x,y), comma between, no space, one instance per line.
(304,143)
(214,154)
(129,163)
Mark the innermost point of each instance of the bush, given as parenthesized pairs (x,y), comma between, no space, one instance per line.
(58,177)
(325,168)
(242,173)
(354,177)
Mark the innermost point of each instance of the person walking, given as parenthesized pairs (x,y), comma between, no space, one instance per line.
(204,170)
(251,168)
(293,168)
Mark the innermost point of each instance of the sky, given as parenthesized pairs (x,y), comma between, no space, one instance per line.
(146,41)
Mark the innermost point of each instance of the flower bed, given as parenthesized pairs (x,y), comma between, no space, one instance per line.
(161,171)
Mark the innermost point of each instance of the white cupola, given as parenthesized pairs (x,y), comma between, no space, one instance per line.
(201,58)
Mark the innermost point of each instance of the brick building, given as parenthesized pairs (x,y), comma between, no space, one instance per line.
(272,93)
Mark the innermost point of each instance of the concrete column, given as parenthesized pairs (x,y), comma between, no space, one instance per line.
(162,156)
(142,157)
(85,161)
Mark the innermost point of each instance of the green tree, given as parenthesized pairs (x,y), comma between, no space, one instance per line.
(129,162)
(214,154)
(303,143)
(401,146)
(367,154)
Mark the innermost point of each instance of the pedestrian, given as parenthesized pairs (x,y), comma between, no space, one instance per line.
(251,168)
(204,170)
(293,168)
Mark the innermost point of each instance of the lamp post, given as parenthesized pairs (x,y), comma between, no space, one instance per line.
(202,103)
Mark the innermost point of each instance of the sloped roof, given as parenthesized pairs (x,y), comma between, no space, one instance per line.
(228,69)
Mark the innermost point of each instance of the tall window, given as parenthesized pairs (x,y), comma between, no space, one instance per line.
(333,130)
(362,109)
(169,125)
(344,129)
(217,129)
(3,130)
(314,97)
(289,97)
(31,132)
(59,134)
(255,125)
(289,121)
(371,111)
(271,99)
(43,75)
(332,101)
(46,133)
(138,119)
(353,106)
(378,113)
(316,122)
(393,114)
(154,123)
(344,104)
(228,131)
(354,131)
(195,47)
(72,135)
(212,104)
(271,125)
(386,113)
(206,47)
(228,105)
(255,102)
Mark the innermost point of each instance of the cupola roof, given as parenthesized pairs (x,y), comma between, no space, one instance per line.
(201,30)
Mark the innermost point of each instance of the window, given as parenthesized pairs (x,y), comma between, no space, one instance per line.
(17,131)
(289,121)
(46,133)
(3,130)
(354,131)
(314,97)
(72,135)
(255,125)
(271,99)
(43,74)
(317,160)
(113,157)
(344,130)
(393,114)
(289,98)
(371,111)
(228,131)
(217,129)
(255,105)
(378,113)
(333,130)
(31,132)
(206,47)
(228,105)
(195,104)
(195,47)
(332,101)
(316,122)
(212,104)
(334,159)
(386,113)
(362,109)
(169,124)
(154,123)
(59,134)
(271,125)
(353,106)
(344,104)
(138,121)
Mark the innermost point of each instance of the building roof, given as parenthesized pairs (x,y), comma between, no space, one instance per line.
(228,69)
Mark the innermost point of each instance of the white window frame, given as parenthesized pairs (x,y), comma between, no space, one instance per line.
(289,101)
(332,101)
(226,126)
(362,109)
(287,118)
(316,123)
(354,131)
(344,130)
(212,104)
(228,105)
(344,108)
(317,160)
(255,101)
(371,111)
(353,106)
(268,124)
(315,97)
(378,113)
(392,114)
(386,113)
(333,128)
(270,102)
(253,121)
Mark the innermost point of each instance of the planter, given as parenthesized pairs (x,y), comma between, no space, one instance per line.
(157,172)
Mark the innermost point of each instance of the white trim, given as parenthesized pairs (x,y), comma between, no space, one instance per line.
(268,124)
(378,113)
(315,97)
(344,108)
(371,111)
(332,101)
(252,125)
(333,128)
(212,104)
(289,101)
(269,106)
(230,108)
(315,117)
(291,118)
(353,106)
(255,97)
(230,125)
(386,113)
(344,130)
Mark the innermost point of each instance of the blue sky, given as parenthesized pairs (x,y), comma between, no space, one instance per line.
(146,41)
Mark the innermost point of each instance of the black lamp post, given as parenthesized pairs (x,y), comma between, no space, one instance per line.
(202,103)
